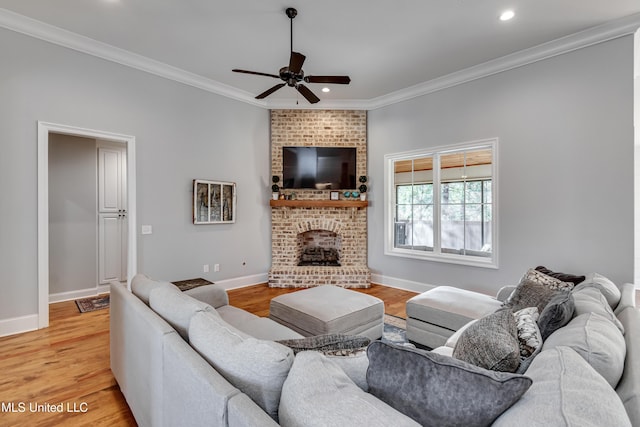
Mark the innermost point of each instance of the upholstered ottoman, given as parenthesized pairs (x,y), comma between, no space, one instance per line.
(329,310)
(433,316)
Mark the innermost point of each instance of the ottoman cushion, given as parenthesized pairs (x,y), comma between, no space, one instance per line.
(450,307)
(328,310)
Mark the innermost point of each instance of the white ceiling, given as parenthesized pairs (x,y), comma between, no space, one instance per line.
(385,46)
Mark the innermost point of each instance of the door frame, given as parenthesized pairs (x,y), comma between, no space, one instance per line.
(44,129)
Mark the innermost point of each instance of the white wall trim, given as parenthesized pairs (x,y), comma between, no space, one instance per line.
(394,282)
(31,27)
(244,281)
(44,129)
(82,293)
(18,325)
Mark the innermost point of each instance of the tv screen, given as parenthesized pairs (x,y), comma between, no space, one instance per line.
(320,168)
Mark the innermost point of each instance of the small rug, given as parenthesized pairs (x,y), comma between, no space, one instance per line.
(395,329)
(86,305)
(185,285)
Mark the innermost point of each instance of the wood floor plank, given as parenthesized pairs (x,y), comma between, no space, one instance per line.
(68,362)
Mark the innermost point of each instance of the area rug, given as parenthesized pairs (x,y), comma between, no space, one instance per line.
(86,305)
(395,329)
(185,285)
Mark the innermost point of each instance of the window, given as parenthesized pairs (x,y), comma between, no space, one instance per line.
(441,204)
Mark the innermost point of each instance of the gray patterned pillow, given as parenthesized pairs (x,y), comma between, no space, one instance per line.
(530,294)
(438,390)
(529,336)
(330,344)
(491,343)
(539,277)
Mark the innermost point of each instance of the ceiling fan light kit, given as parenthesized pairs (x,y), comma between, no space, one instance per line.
(292,75)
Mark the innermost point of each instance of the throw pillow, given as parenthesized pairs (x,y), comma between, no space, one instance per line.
(438,390)
(609,289)
(491,343)
(566,391)
(257,367)
(530,294)
(557,313)
(589,299)
(565,277)
(536,276)
(529,337)
(332,344)
(317,393)
(597,340)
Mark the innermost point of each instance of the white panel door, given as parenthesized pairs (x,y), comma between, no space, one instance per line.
(110,247)
(110,174)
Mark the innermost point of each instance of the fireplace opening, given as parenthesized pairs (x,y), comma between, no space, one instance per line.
(319,247)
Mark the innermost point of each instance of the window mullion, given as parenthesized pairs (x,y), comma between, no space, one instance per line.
(436,204)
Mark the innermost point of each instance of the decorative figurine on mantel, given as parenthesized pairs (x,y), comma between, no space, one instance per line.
(363,187)
(275,188)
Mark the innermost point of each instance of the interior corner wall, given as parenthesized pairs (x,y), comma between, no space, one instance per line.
(565,165)
(73,223)
(182,133)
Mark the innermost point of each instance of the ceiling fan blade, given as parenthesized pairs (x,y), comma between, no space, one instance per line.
(306,92)
(235,70)
(270,91)
(295,62)
(341,80)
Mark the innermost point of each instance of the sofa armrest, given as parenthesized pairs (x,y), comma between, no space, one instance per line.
(504,293)
(213,295)
(627,297)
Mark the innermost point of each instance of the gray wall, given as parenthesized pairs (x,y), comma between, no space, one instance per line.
(565,165)
(72,214)
(181,133)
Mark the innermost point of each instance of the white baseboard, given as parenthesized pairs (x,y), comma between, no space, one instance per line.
(241,282)
(82,293)
(394,282)
(18,325)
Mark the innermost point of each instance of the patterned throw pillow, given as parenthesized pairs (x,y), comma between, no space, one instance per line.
(530,294)
(491,343)
(529,336)
(565,277)
(543,279)
(329,344)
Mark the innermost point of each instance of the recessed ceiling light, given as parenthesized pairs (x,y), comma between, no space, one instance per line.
(507,15)
(326,89)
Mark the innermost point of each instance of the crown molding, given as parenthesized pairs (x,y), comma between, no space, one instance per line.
(608,31)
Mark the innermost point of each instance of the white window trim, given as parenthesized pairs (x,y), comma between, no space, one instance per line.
(390,195)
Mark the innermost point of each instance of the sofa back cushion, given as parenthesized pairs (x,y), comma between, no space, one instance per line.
(141,286)
(566,391)
(629,386)
(318,393)
(609,289)
(257,367)
(597,340)
(589,299)
(175,307)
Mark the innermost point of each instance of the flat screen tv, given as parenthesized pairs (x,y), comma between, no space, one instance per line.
(320,168)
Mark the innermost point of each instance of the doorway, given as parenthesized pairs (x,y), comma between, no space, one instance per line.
(44,132)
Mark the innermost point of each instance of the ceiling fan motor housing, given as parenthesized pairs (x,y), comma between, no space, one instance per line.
(291,78)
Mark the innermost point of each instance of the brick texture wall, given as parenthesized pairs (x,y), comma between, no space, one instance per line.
(318,128)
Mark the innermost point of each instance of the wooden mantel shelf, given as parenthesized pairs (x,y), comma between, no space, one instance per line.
(319,203)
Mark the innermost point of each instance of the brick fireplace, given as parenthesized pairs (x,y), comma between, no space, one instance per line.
(312,220)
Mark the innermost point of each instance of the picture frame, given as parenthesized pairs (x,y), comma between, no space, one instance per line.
(334,195)
(213,202)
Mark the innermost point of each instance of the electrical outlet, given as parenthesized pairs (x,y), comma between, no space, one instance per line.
(216,267)
(205,268)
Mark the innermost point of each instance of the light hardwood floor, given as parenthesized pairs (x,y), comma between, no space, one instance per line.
(68,363)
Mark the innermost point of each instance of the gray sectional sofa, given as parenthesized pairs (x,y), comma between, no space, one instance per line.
(191,359)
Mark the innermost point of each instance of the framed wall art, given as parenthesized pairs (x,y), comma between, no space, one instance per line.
(214,202)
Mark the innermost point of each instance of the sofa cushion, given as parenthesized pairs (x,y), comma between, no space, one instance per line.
(629,386)
(557,313)
(491,343)
(142,285)
(565,277)
(175,307)
(530,294)
(589,299)
(327,344)
(317,393)
(566,392)
(597,340)
(438,390)
(257,367)
(609,289)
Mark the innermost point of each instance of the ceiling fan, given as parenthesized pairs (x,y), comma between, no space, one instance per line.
(292,75)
